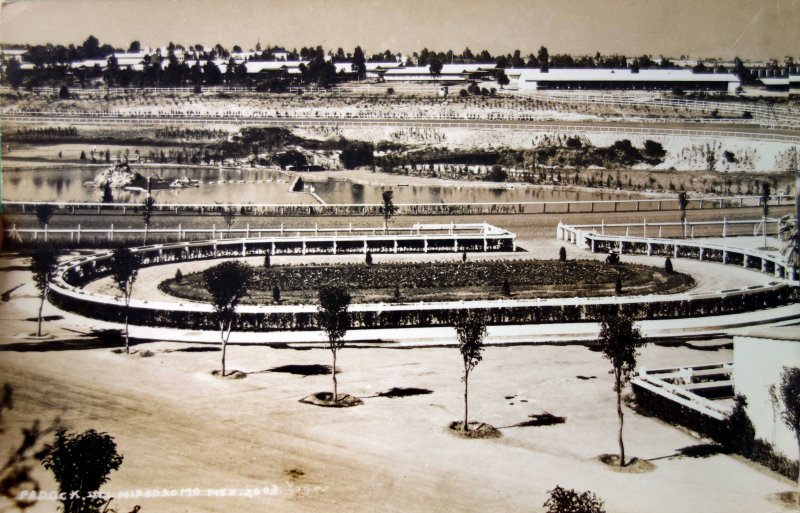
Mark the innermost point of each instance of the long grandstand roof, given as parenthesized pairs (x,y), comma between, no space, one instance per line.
(622,75)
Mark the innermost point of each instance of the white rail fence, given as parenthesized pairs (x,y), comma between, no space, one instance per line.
(381,120)
(769,262)
(678,384)
(518,207)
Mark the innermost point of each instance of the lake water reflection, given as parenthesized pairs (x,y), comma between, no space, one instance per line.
(262,186)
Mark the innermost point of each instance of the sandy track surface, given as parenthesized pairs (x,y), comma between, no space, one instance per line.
(179,427)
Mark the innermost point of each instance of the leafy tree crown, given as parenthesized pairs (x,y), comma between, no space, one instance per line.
(44,266)
(470,331)
(124,268)
(790,394)
(334,317)
(227,283)
(620,339)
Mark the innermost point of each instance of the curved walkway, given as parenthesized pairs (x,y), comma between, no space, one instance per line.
(710,276)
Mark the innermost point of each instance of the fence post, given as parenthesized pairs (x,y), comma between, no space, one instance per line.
(180,233)
(111,232)
(79,234)
(45,233)
(724,227)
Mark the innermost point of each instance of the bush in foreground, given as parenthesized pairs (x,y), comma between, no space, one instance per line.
(564,500)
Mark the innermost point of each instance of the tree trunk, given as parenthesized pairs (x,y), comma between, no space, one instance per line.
(224,345)
(335,384)
(127,346)
(466,401)
(621,445)
(41,306)
(683,222)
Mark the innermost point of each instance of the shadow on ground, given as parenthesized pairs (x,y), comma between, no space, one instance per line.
(95,339)
(304,370)
(695,451)
(538,419)
(404,392)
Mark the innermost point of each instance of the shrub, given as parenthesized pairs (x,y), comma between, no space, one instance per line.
(564,500)
(81,463)
(368,258)
(178,276)
(462,93)
(276,294)
(506,287)
(668,266)
(562,254)
(267,260)
(497,174)
(618,285)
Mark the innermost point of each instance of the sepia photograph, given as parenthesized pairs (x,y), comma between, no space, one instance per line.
(416,256)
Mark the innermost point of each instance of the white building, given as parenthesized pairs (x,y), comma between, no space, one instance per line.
(646,79)
(759,357)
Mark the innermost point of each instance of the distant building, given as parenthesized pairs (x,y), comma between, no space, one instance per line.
(449,73)
(646,79)
(274,67)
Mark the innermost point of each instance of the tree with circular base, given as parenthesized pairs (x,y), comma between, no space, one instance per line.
(334,319)
(619,341)
(227,283)
(470,331)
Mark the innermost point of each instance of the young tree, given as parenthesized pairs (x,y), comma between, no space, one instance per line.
(683,202)
(619,341)
(668,266)
(267,260)
(388,209)
(276,294)
(81,463)
(562,254)
(125,269)
(334,319)
(44,265)
(147,212)
(470,331)
(765,197)
(227,284)
(790,395)
(229,215)
(368,258)
(44,211)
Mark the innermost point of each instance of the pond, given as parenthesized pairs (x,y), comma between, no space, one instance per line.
(262,186)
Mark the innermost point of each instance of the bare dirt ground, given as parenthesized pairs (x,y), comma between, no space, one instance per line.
(178,427)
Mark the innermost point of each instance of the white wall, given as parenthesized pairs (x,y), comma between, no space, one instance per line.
(758,361)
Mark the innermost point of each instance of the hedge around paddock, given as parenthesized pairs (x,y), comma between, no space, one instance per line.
(527,279)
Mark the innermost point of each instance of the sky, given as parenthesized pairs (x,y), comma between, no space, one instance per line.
(751,29)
